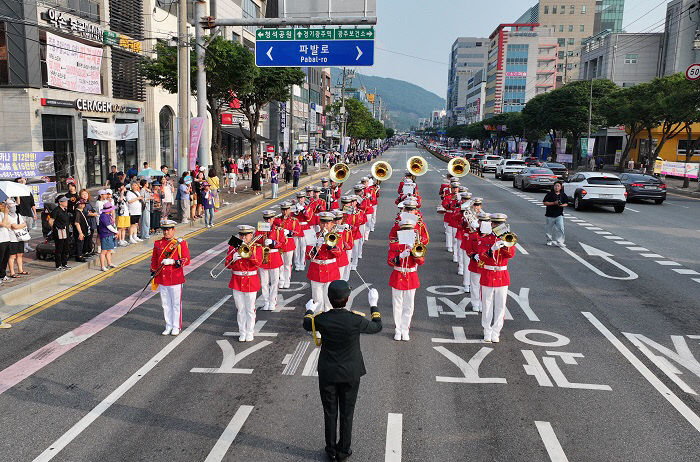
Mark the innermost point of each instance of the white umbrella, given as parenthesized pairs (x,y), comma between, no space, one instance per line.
(12,189)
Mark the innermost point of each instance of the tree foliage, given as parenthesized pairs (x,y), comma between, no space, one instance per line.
(360,124)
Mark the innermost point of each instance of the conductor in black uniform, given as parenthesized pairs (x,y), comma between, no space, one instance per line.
(340,364)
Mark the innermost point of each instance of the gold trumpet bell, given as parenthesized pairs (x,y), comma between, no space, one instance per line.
(458,167)
(339,172)
(381,171)
(418,251)
(510,239)
(417,165)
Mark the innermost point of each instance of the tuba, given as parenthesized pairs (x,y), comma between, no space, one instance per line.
(458,167)
(381,171)
(339,172)
(417,166)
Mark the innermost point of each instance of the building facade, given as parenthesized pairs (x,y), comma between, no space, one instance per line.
(476,95)
(468,56)
(681,46)
(522,64)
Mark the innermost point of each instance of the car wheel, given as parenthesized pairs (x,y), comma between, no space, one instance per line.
(525,187)
(496,175)
(619,208)
(658,201)
(515,185)
(578,205)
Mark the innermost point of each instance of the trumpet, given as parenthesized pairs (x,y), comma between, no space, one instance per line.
(458,167)
(331,239)
(417,165)
(339,172)
(381,171)
(418,250)
(510,239)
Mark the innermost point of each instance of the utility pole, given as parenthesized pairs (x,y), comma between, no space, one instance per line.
(374,98)
(183,71)
(200,50)
(590,116)
(342,115)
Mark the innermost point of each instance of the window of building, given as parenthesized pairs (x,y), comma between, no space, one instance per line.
(126,16)
(165,119)
(57,131)
(127,150)
(683,146)
(570,41)
(479,44)
(583,9)
(95,157)
(581,28)
(127,80)
(561,54)
(562,10)
(554,9)
(572,9)
(561,28)
(569,53)
(4,77)
(560,67)
(250,10)
(631,58)
(571,27)
(561,42)
(87,9)
(546,9)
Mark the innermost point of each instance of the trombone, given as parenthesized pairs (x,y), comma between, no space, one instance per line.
(417,165)
(381,171)
(244,250)
(458,167)
(339,173)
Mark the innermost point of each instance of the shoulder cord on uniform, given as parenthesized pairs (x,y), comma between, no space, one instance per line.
(317,340)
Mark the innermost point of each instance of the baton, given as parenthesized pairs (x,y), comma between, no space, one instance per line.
(144,289)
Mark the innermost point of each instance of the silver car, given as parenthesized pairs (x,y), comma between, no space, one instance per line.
(534,178)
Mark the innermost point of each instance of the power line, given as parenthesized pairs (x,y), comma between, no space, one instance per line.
(411,56)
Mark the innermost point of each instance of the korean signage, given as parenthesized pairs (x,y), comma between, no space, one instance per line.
(26,164)
(43,193)
(72,25)
(89,105)
(364,33)
(283,116)
(72,65)
(121,41)
(230,119)
(516,74)
(120,132)
(681,169)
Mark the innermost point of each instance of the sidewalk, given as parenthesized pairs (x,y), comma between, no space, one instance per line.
(43,284)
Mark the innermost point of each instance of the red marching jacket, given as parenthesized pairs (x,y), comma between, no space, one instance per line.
(443,188)
(471,246)
(405,274)
(375,194)
(494,272)
(324,266)
(342,258)
(279,241)
(170,275)
(420,229)
(244,271)
(292,225)
(447,205)
(303,217)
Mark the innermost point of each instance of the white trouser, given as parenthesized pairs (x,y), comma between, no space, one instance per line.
(455,242)
(269,280)
(402,302)
(286,270)
(319,294)
(460,258)
(362,240)
(245,304)
(465,265)
(356,249)
(171,299)
(475,286)
(448,238)
(300,253)
(374,218)
(493,310)
(368,226)
(345,270)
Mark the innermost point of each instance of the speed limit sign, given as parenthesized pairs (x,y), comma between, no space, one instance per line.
(693,72)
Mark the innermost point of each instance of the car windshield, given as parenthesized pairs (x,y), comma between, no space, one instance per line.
(541,171)
(603,180)
(645,178)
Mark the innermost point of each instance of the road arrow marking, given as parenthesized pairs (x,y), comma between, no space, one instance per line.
(269,53)
(593,252)
(359,53)
(230,359)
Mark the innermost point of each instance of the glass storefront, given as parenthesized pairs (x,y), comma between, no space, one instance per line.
(166,118)
(127,151)
(57,131)
(95,158)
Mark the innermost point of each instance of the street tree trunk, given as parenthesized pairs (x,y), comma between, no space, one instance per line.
(216,137)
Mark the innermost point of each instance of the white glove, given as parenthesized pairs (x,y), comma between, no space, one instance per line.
(497,245)
(320,241)
(168,261)
(405,253)
(474,224)
(235,257)
(268,241)
(476,257)
(311,305)
(287,232)
(373,297)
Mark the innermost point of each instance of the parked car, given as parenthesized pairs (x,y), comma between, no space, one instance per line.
(532,161)
(534,178)
(468,156)
(507,168)
(596,188)
(474,161)
(559,170)
(488,163)
(640,186)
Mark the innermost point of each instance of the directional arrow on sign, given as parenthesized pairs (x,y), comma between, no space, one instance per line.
(593,252)
(359,53)
(269,53)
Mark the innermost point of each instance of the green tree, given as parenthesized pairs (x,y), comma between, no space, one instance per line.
(390,132)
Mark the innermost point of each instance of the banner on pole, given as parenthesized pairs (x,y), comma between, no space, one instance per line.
(196,126)
(119,132)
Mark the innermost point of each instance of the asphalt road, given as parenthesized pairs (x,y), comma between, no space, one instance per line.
(597,359)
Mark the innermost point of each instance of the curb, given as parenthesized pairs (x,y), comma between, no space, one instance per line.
(26,295)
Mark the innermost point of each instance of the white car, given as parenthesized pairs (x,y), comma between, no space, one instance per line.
(488,163)
(596,188)
(508,168)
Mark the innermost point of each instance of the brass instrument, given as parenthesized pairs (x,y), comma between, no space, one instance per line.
(339,173)
(417,165)
(246,250)
(330,238)
(381,171)
(458,167)
(266,255)
(419,249)
(504,233)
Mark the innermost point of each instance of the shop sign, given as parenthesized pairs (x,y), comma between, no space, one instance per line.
(122,41)
(230,119)
(26,164)
(73,25)
(283,116)
(119,132)
(516,74)
(90,105)
(73,65)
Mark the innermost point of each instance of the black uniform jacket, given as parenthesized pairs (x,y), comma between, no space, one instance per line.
(341,358)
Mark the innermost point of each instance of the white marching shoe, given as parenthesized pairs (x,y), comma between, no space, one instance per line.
(167,331)
(397,336)
(175,331)
(405,337)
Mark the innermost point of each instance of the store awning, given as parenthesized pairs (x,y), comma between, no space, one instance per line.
(242,133)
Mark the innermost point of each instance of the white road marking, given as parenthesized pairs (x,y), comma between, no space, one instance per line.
(470,370)
(666,392)
(230,359)
(652,255)
(667,263)
(594,228)
(603,233)
(521,249)
(576,220)
(592,251)
(624,242)
(218,452)
(613,238)
(58,445)
(394,434)
(551,443)
(631,209)
(696,279)
(638,249)
(295,359)
(310,368)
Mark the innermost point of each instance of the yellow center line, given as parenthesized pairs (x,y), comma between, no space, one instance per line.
(94,280)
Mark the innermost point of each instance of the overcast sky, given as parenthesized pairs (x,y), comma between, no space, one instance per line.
(427,28)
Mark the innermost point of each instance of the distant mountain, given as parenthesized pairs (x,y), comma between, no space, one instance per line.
(405,101)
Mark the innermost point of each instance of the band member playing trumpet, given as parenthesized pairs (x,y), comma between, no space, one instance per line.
(480,228)
(274,238)
(410,207)
(345,231)
(293,231)
(403,281)
(244,260)
(170,256)
(371,210)
(323,266)
(495,279)
(335,194)
(303,213)
(317,206)
(360,223)
(451,205)
(341,230)
(457,220)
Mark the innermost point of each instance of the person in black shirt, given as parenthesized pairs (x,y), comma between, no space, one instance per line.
(72,196)
(113,177)
(82,234)
(59,220)
(27,209)
(555,201)
(340,364)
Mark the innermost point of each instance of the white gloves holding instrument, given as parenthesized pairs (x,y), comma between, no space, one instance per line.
(373,297)
(268,241)
(497,245)
(311,305)
(405,253)
(168,262)
(320,241)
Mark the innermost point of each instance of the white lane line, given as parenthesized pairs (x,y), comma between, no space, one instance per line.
(685,271)
(394,433)
(583,223)
(624,242)
(551,443)
(696,280)
(576,220)
(652,255)
(218,452)
(614,237)
(521,249)
(50,452)
(594,228)
(638,249)
(631,209)
(666,392)
(667,263)
(603,233)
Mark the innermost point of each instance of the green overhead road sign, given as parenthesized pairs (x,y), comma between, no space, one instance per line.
(365,33)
